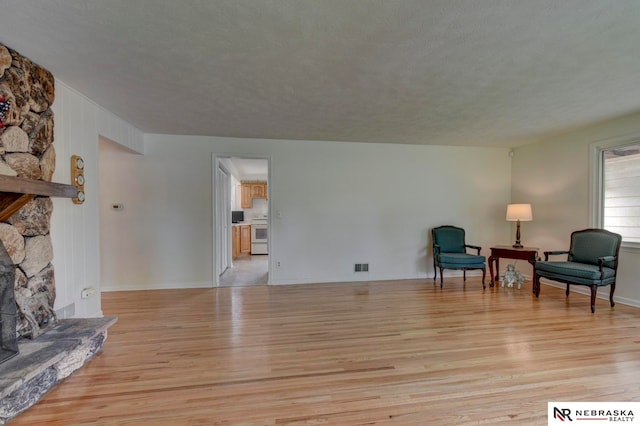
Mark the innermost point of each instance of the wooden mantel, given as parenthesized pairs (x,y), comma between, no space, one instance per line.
(15,192)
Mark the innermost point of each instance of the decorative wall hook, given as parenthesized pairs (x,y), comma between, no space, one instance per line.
(77,178)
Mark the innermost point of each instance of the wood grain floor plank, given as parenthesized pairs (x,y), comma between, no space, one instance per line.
(397,352)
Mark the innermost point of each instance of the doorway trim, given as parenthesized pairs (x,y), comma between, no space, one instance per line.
(216,199)
(223,210)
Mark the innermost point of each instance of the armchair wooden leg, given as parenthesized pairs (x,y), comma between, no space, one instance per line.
(536,286)
(464,275)
(594,290)
(613,288)
(484,272)
(567,291)
(434,269)
(440,277)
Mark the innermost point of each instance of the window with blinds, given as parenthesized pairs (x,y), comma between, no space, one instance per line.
(621,191)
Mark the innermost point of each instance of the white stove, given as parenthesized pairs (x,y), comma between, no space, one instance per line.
(260,235)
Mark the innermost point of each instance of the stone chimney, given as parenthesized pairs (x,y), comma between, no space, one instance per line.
(26,151)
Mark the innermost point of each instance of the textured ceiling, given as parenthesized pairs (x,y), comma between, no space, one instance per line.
(450,72)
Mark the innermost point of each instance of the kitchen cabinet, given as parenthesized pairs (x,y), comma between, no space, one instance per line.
(259,190)
(245,239)
(235,242)
(247,201)
(252,191)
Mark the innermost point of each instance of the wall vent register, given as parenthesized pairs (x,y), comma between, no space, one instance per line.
(361,267)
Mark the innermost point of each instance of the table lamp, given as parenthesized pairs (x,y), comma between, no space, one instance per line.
(517,213)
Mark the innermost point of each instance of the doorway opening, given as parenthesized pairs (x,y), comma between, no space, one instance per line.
(241,223)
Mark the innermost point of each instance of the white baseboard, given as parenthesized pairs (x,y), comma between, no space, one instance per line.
(157,286)
(96,314)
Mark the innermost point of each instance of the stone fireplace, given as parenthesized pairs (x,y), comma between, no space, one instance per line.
(32,361)
(26,151)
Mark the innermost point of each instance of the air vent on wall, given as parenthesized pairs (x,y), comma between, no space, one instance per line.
(361,267)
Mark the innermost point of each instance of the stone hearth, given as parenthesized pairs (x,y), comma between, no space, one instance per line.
(46,360)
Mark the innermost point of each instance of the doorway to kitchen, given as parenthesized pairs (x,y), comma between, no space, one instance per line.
(241,220)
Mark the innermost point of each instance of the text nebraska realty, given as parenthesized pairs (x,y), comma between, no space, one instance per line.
(613,415)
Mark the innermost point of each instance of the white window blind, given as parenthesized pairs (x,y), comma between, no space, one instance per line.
(621,191)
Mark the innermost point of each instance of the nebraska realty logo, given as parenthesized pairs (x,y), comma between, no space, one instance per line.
(593,412)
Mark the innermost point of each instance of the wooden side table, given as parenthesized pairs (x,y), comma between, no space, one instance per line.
(530,254)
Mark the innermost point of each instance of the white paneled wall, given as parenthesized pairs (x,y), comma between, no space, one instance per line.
(75,228)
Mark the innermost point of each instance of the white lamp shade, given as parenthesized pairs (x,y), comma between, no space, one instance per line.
(520,212)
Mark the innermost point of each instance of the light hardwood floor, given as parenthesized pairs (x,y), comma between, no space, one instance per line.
(396,352)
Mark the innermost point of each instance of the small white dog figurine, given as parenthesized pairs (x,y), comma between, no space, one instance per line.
(512,276)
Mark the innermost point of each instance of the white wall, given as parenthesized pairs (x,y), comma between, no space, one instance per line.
(553,175)
(75,228)
(341,203)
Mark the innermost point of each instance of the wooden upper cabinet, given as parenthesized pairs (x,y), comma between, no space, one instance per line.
(247,201)
(251,191)
(259,190)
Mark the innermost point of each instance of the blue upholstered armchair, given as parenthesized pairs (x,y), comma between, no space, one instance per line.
(450,252)
(592,260)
